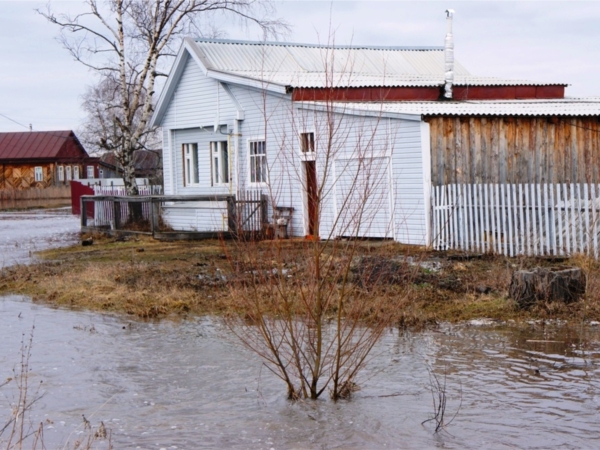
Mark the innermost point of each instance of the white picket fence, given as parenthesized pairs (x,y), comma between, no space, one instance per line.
(103,211)
(517,219)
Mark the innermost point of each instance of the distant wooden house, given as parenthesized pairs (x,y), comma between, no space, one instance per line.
(41,159)
(147,164)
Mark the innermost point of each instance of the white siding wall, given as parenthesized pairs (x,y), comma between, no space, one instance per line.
(198,104)
(410,217)
(353,163)
(376,177)
(198,101)
(270,117)
(205,216)
(383,157)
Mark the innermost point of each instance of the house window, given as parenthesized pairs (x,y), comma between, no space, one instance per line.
(68,172)
(61,173)
(39,174)
(219,158)
(190,162)
(258,162)
(90,171)
(307,142)
(76,172)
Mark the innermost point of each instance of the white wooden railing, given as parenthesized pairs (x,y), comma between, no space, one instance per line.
(517,219)
(103,211)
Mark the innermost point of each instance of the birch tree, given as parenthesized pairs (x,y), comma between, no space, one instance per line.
(127,42)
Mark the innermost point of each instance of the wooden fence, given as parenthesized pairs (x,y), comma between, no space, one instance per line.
(517,219)
(104,212)
(52,192)
(246,214)
(250,211)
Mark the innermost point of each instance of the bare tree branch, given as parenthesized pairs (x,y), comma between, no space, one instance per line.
(127,44)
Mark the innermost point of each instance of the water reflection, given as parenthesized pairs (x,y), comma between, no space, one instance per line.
(190,385)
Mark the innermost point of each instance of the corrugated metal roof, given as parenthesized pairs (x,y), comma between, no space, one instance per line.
(555,107)
(288,64)
(314,66)
(33,144)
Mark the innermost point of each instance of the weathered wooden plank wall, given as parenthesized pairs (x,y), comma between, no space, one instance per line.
(520,149)
(22,176)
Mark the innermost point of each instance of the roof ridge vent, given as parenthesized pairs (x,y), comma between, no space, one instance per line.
(449,56)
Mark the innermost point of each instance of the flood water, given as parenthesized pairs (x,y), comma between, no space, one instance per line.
(24,232)
(190,385)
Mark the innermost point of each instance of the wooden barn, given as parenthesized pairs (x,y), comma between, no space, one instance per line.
(385,142)
(41,159)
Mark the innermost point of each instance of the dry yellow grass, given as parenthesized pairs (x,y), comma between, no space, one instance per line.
(150,279)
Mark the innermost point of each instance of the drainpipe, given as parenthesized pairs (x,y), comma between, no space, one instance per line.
(449,56)
(234,156)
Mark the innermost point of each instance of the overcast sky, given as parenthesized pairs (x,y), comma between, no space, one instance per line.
(556,41)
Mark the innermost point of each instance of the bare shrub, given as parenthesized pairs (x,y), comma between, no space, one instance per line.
(439,399)
(302,307)
(18,430)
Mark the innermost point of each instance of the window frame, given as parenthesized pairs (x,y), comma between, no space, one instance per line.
(307,145)
(68,173)
(38,174)
(189,152)
(92,170)
(264,179)
(220,166)
(61,173)
(76,172)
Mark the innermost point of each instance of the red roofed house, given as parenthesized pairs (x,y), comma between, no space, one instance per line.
(42,159)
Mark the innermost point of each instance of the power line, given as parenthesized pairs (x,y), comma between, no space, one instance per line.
(12,120)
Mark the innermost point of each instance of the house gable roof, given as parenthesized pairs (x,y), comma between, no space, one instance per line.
(190,52)
(282,67)
(40,145)
(313,66)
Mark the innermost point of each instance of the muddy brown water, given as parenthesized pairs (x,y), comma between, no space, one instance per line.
(190,385)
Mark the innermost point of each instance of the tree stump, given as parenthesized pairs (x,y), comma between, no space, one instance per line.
(565,285)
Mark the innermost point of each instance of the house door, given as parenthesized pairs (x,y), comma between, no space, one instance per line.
(312,201)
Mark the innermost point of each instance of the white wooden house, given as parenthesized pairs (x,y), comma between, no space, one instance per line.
(370,132)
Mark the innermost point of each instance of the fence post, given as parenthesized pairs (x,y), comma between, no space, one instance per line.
(264,214)
(154,214)
(83,211)
(231,218)
(116,212)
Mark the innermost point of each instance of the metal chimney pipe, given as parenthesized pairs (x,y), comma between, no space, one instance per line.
(449,56)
